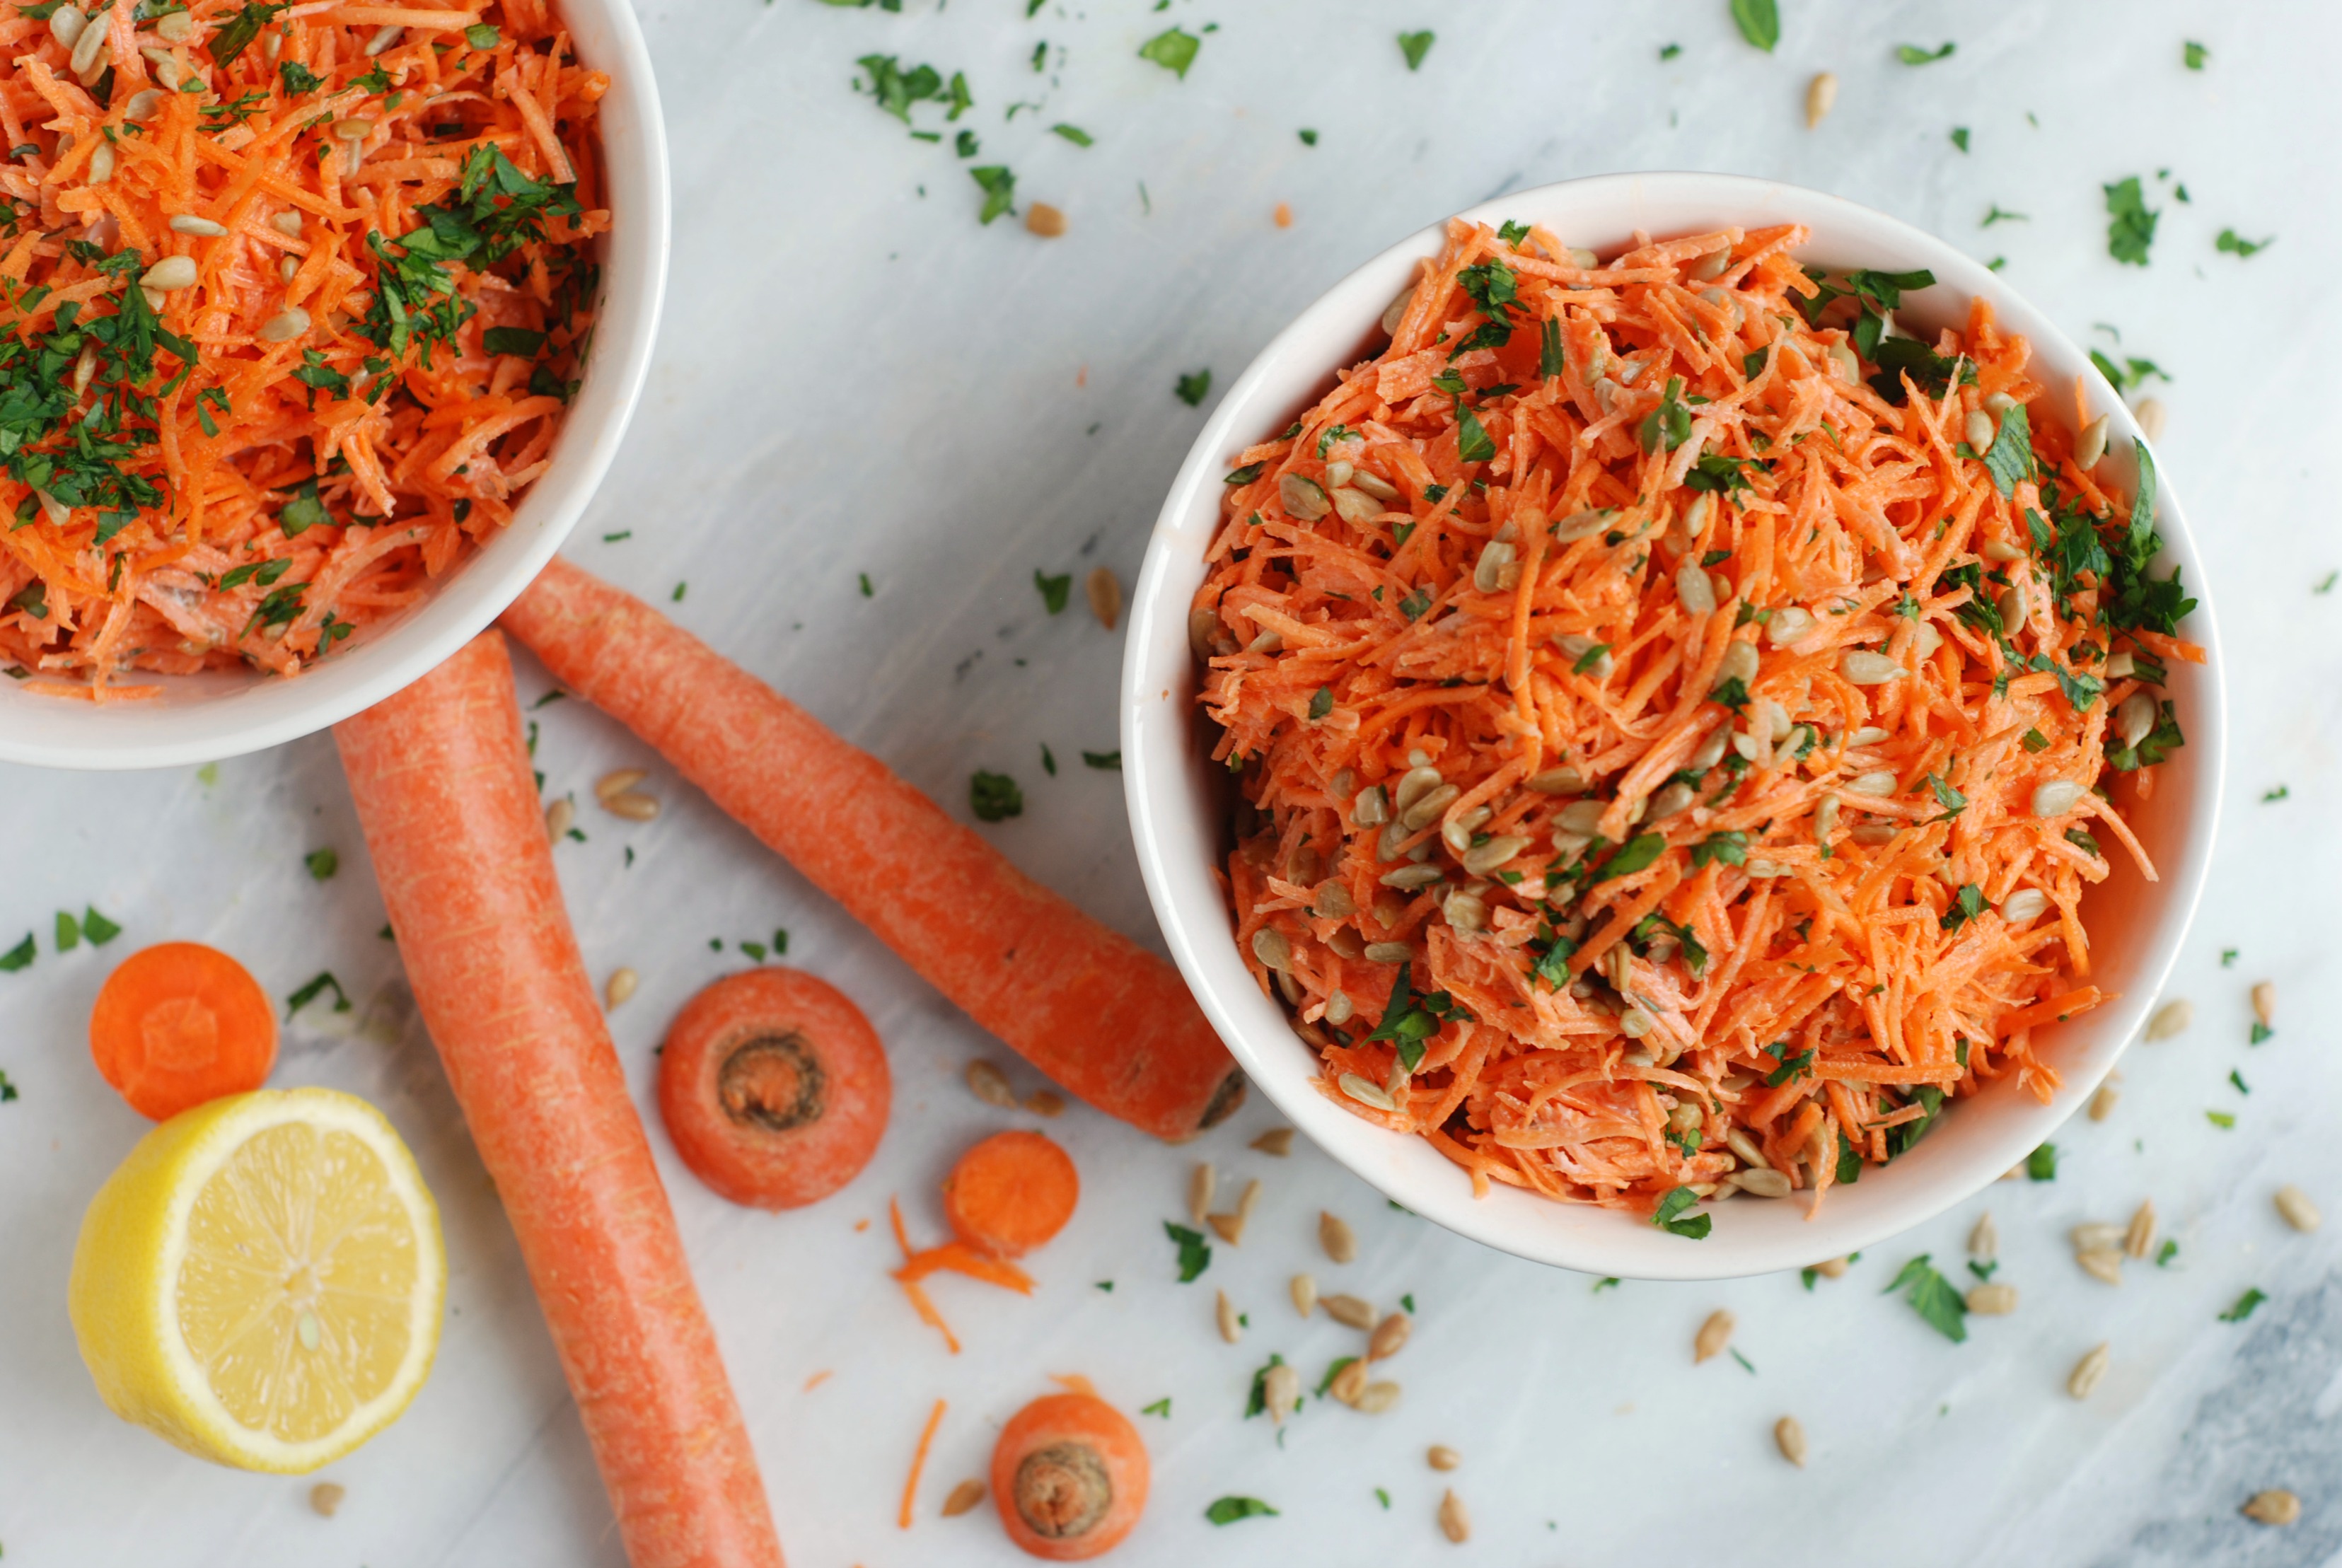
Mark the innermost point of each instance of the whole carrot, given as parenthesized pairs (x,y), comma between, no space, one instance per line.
(1086,1005)
(444,792)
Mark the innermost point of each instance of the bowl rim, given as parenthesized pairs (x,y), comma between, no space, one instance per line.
(240,712)
(1156,781)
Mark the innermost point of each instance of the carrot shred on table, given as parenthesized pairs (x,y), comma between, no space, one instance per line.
(919,1463)
(1661,655)
(291,310)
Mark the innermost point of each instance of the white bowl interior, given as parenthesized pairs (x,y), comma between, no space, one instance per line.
(226,713)
(1176,796)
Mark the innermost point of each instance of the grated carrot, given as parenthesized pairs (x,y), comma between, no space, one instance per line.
(919,1463)
(296,436)
(1691,612)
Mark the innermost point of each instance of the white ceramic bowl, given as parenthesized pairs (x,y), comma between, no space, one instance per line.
(1176,796)
(226,713)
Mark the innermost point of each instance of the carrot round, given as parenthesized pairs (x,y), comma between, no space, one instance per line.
(441,778)
(774,1087)
(180,1024)
(1069,1474)
(1086,1005)
(1011,1194)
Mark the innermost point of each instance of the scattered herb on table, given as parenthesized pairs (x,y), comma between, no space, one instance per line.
(1913,55)
(317,987)
(1229,1510)
(322,863)
(1073,134)
(2282,792)
(96,929)
(2236,244)
(2224,1120)
(1161,1407)
(1174,51)
(1933,1297)
(2041,1166)
(1194,388)
(1195,1251)
(7,1090)
(1960,137)
(1760,21)
(1415,47)
(2244,1306)
(1108,762)
(2131,227)
(2000,215)
(2194,55)
(1054,591)
(999,187)
(19,956)
(995,797)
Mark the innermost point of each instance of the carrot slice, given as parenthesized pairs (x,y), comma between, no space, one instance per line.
(179,1023)
(1011,1194)
(1070,1474)
(774,1087)
(444,792)
(1086,1005)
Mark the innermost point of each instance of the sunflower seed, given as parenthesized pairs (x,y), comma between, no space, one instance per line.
(1713,1336)
(384,38)
(146,100)
(2172,1018)
(325,1498)
(1407,878)
(1738,1141)
(1389,1336)
(1562,780)
(1304,1293)
(1842,358)
(963,1497)
(2091,444)
(1374,484)
(2088,1371)
(1454,1522)
(2298,1211)
(101,164)
(1304,498)
(2265,1002)
(2102,1104)
(2138,1236)
(2278,1506)
(175,26)
(2150,415)
(1585,524)
(1396,312)
(1821,97)
(1350,1311)
(1786,625)
(1366,1093)
(1224,1315)
(1280,1391)
(1333,1234)
(88,44)
(2095,1235)
(285,326)
(1984,1239)
(1354,506)
(619,987)
(1978,430)
(65,23)
(1992,1299)
(634,806)
(1881,783)
(1045,1103)
(2025,904)
(1376,1397)
(1693,589)
(559,817)
(1739,662)
(1762,1184)
(1863,667)
(2101,1263)
(2055,797)
(1389,952)
(1790,1436)
(618,783)
(1426,809)
(1202,1180)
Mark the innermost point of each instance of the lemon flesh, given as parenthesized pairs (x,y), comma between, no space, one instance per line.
(262,1280)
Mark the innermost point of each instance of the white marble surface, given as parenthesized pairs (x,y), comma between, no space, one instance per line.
(855,378)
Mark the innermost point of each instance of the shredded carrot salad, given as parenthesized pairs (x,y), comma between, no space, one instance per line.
(292,298)
(1677,714)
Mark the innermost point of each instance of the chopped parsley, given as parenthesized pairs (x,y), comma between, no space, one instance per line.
(2236,244)
(2221,1119)
(1308,137)
(1194,387)
(1960,137)
(1229,1510)
(1668,425)
(1667,1216)
(2281,792)
(2261,1033)
(322,863)
(999,187)
(1161,1407)
(1174,51)
(317,987)
(236,36)
(1632,856)
(2244,1305)
(1966,907)
(2009,460)
(895,89)
(1669,51)
(1913,55)
(2000,215)
(1054,591)
(1195,1251)
(1409,1020)
(1073,134)
(1415,47)
(2041,1166)
(1106,762)
(19,956)
(1933,1297)
(2193,54)
(995,797)
(1760,21)
(2130,229)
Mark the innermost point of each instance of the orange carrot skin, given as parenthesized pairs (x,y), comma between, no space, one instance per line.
(178,1024)
(1086,1420)
(1092,1009)
(754,1165)
(441,777)
(1011,1194)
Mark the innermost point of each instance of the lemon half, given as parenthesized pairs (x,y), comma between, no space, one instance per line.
(261,1282)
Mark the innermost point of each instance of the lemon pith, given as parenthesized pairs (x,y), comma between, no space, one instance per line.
(261,1282)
